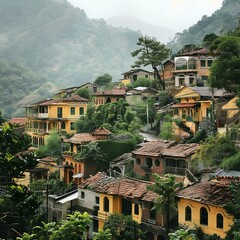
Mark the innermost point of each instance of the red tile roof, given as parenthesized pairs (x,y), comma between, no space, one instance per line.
(115,91)
(154,148)
(181,150)
(102,131)
(52,101)
(79,138)
(166,148)
(18,121)
(130,188)
(214,193)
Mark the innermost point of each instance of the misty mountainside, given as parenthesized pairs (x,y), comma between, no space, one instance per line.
(161,33)
(18,86)
(58,41)
(220,22)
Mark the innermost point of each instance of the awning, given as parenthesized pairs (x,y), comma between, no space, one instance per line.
(78,175)
(69,198)
(185,105)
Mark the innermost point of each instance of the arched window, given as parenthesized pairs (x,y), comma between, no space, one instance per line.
(188,214)
(137,161)
(63,125)
(203,216)
(203,62)
(219,220)
(181,64)
(192,63)
(157,162)
(136,209)
(209,61)
(105,204)
(148,162)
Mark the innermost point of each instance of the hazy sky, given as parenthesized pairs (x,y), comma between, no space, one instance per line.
(174,14)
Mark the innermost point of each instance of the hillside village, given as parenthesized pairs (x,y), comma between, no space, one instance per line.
(153,155)
(111,168)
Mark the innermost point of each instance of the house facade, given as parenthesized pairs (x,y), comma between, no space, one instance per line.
(53,115)
(132,75)
(202,205)
(128,197)
(192,68)
(197,107)
(163,157)
(109,96)
(74,170)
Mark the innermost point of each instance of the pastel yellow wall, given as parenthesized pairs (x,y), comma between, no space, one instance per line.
(212,213)
(126,81)
(137,218)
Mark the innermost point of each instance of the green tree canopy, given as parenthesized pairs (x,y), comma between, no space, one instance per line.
(153,53)
(84,92)
(142,82)
(166,188)
(103,80)
(225,71)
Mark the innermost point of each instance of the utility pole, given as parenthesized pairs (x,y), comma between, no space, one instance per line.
(147,119)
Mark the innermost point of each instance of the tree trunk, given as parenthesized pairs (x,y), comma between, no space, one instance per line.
(159,77)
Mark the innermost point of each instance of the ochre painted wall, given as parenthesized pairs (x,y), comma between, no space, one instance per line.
(212,214)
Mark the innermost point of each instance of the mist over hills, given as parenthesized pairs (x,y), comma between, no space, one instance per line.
(161,33)
(58,41)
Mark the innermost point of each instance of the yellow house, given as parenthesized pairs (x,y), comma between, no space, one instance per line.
(233,112)
(132,75)
(202,204)
(53,114)
(196,107)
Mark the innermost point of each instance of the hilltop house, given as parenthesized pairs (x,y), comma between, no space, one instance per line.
(53,115)
(109,96)
(69,92)
(202,205)
(163,157)
(132,75)
(192,68)
(197,107)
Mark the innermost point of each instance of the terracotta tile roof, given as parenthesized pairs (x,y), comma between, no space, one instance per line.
(181,150)
(102,131)
(130,188)
(214,193)
(52,101)
(153,148)
(79,138)
(115,91)
(18,121)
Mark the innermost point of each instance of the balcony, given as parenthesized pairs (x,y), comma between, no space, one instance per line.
(175,170)
(37,115)
(37,130)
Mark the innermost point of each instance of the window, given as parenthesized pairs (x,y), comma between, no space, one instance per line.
(105,204)
(72,126)
(148,162)
(72,111)
(97,200)
(136,209)
(188,214)
(138,161)
(192,63)
(203,62)
(209,61)
(81,111)
(203,216)
(219,220)
(59,112)
(126,207)
(157,162)
(152,212)
(181,64)
(82,195)
(63,125)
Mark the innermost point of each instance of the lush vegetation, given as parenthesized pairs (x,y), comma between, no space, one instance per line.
(16,83)
(221,22)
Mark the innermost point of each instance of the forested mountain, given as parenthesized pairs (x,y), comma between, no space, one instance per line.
(18,86)
(58,41)
(221,22)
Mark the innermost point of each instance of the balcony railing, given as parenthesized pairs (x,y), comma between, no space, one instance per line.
(37,130)
(37,115)
(175,170)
